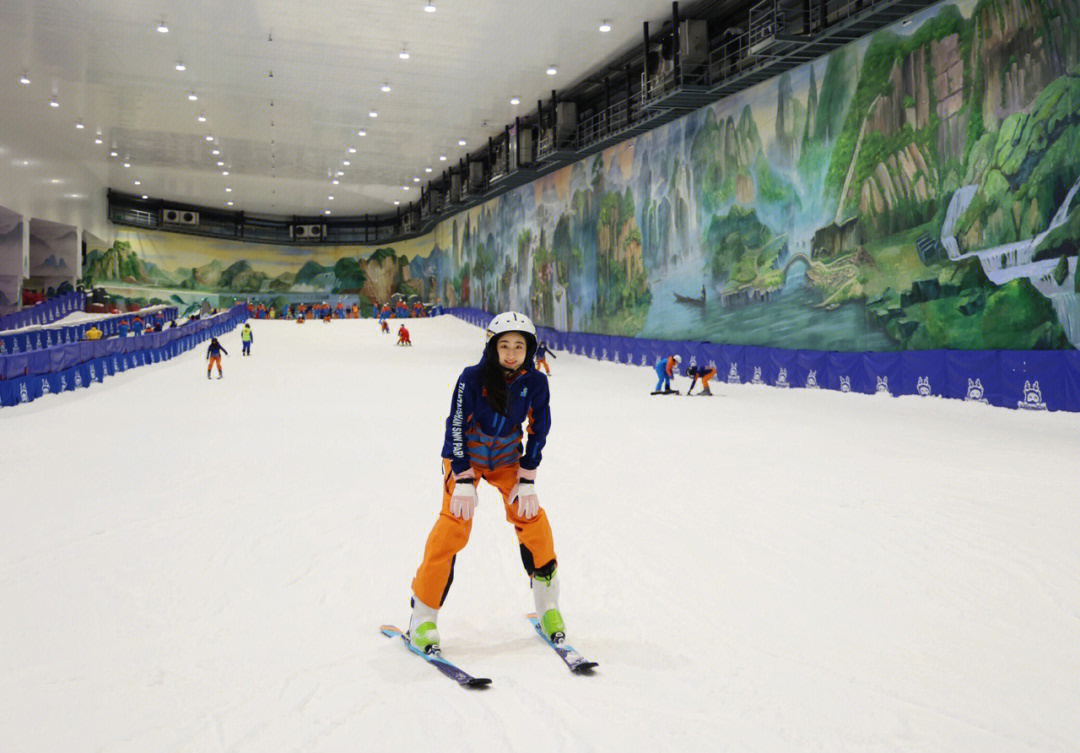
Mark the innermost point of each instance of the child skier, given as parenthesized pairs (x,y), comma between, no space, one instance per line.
(665,370)
(246,338)
(213,356)
(483,441)
(705,373)
(403,336)
(384,326)
(542,351)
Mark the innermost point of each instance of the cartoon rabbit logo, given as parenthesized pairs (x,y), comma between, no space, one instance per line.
(733,374)
(45,387)
(923,386)
(811,380)
(24,396)
(757,376)
(1032,397)
(975,391)
(883,384)
(781,378)
(845,384)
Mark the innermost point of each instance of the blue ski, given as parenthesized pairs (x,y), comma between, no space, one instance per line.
(455,673)
(577,663)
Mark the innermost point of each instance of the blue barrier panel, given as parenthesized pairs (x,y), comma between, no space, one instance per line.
(782,368)
(922,372)
(731,367)
(810,368)
(1070,365)
(843,372)
(1034,380)
(973,375)
(882,372)
(757,362)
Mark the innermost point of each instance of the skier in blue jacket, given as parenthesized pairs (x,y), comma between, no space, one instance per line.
(483,440)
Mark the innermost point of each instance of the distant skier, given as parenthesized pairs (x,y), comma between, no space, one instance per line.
(403,336)
(384,326)
(213,356)
(484,441)
(704,373)
(246,337)
(665,370)
(542,351)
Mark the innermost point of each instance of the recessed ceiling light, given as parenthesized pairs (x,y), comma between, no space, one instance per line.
(373,114)
(340,173)
(404,188)
(215,152)
(345,162)
(427,169)
(361,133)
(605,26)
(335,181)
(430,7)
(114,153)
(515,101)
(396,203)
(180,65)
(385,87)
(224,172)
(98,140)
(209,137)
(79,124)
(352,150)
(55,180)
(53,102)
(138,182)
(162,27)
(228,203)
(442,158)
(220,163)
(24,79)
(228,189)
(404,54)
(192,96)
(127,164)
(461,142)
(415,179)
(326,211)
(329,198)
(201,118)
(552,70)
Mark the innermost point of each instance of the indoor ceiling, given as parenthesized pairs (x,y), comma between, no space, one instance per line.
(287,87)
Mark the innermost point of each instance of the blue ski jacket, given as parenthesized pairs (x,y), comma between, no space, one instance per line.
(476,434)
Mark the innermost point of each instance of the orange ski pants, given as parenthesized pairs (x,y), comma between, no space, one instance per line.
(450,535)
(543,362)
(214,361)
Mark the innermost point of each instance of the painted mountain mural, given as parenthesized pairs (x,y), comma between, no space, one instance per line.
(915,189)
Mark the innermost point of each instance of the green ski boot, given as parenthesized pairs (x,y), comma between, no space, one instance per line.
(423,633)
(545,586)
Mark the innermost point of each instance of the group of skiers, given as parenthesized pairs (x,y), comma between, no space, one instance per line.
(665,371)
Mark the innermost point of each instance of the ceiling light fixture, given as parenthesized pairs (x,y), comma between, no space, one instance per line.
(127,164)
(415,179)
(220,163)
(336,182)
(339,173)
(228,203)
(24,79)
(180,65)
(552,70)
(404,54)
(215,152)
(201,118)
(138,182)
(442,158)
(345,162)
(373,114)
(98,140)
(145,197)
(352,150)
(225,172)
(430,7)
(385,87)
(427,169)
(329,198)
(396,203)
(361,133)
(192,96)
(53,102)
(515,101)
(79,124)
(326,211)
(209,137)
(461,142)
(228,189)
(114,153)
(162,27)
(605,26)
(404,188)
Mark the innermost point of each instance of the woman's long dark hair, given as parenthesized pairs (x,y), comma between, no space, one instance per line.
(495,374)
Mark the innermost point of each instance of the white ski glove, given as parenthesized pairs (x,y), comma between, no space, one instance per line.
(528,504)
(463,500)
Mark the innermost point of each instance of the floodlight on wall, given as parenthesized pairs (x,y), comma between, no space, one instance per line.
(415,179)
(209,137)
(97,139)
(215,152)
(127,164)
(330,198)
(220,163)
(335,182)
(225,172)
(228,189)
(396,202)
(429,7)
(138,182)
(114,153)
(326,211)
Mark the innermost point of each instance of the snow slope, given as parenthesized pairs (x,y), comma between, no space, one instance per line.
(193,565)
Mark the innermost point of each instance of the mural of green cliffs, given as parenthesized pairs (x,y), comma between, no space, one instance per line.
(916,189)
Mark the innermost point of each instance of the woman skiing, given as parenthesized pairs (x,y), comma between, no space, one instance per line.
(213,357)
(484,441)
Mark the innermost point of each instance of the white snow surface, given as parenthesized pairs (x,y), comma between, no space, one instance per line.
(194,565)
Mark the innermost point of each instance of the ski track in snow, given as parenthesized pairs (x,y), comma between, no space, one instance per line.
(194,565)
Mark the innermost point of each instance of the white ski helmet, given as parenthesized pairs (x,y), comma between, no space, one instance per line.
(512,321)
(678,358)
